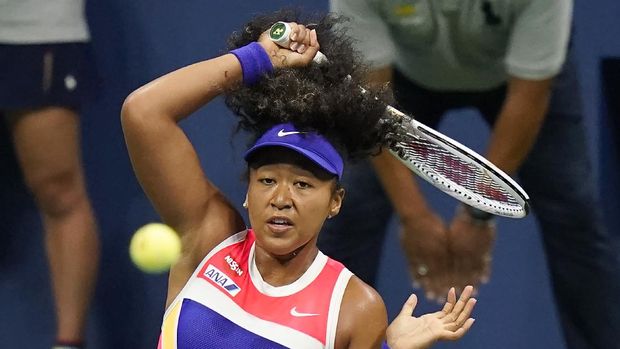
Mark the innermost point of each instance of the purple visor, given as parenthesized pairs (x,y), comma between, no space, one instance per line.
(310,144)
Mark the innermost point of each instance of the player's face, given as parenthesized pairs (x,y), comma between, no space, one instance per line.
(288,204)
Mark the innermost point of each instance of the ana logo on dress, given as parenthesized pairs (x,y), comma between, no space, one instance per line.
(222,280)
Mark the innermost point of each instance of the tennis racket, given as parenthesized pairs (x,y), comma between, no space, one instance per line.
(440,160)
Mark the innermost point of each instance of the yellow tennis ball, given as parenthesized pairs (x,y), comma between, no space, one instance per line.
(154,248)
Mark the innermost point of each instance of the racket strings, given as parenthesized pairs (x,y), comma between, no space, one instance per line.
(452,167)
(454,174)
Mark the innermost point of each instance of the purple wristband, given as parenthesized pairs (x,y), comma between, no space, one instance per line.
(254,62)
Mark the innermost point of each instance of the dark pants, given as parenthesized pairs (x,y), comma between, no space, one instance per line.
(41,75)
(583,263)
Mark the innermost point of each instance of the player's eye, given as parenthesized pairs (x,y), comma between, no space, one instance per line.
(303,185)
(267,181)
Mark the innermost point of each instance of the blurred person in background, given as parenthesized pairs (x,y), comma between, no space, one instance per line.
(506,59)
(45,75)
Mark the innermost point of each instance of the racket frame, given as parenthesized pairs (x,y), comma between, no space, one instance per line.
(417,129)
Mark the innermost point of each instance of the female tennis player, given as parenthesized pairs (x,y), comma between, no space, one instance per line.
(269,286)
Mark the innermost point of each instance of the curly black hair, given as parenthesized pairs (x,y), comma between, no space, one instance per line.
(322,97)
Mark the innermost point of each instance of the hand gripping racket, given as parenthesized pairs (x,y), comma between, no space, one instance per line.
(445,163)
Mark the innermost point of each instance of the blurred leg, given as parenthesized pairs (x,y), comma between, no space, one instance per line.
(47,147)
(583,262)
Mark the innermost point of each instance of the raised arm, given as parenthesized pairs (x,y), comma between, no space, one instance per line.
(451,323)
(362,320)
(164,160)
(166,163)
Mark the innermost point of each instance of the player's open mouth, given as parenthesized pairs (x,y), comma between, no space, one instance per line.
(279,224)
(280,221)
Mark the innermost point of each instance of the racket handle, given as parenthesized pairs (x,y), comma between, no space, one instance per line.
(280,33)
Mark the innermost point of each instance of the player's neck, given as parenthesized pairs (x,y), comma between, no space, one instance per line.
(284,270)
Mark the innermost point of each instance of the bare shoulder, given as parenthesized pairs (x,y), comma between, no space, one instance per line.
(363,318)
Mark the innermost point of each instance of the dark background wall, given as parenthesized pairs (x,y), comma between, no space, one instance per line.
(136,41)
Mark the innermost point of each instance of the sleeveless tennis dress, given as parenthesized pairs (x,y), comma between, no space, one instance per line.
(226,303)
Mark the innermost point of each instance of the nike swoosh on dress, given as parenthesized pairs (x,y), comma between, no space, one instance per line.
(295,313)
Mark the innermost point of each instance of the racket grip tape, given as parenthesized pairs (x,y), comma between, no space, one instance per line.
(280,33)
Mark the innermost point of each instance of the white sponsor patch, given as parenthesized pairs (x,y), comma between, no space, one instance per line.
(222,280)
(234,266)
